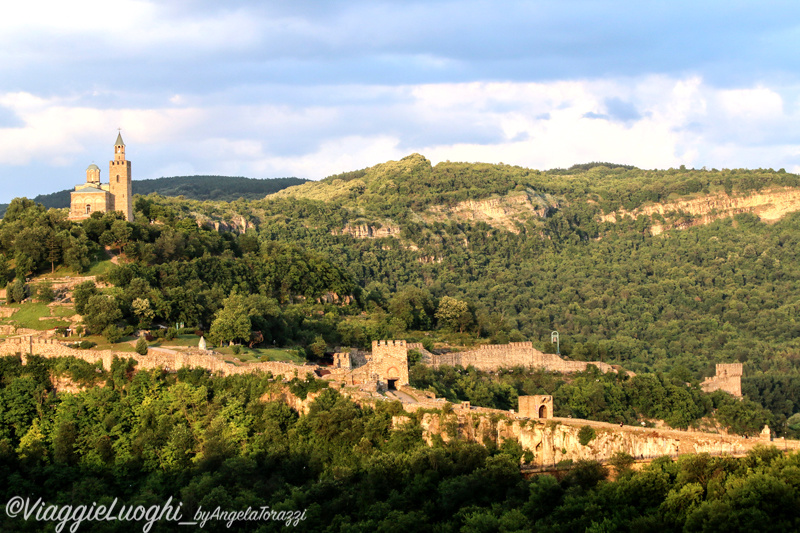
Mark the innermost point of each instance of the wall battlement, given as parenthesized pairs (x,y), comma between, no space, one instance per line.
(397,343)
(730,370)
(493,357)
(509,346)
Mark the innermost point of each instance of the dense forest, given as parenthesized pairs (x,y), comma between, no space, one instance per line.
(221,188)
(143,437)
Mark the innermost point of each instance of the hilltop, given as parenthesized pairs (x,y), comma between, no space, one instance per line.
(220,188)
(505,195)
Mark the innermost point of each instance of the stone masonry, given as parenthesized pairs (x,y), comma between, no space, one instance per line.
(385,368)
(156,358)
(493,357)
(727,378)
(538,407)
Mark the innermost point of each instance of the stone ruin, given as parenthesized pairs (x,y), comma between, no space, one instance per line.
(538,407)
(386,368)
(492,357)
(727,378)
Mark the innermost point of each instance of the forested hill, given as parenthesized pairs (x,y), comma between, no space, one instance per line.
(647,269)
(221,188)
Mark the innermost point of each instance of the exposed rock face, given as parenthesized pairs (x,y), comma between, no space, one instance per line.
(366,231)
(503,212)
(558,439)
(769,205)
(238,224)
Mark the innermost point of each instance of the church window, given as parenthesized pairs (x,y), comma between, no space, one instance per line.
(88,209)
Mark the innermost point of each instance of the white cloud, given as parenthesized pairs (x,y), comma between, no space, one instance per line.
(752,104)
(664,122)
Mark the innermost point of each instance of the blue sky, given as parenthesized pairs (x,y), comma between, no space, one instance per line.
(270,89)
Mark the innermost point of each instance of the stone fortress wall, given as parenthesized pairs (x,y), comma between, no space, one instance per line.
(156,358)
(727,378)
(493,357)
(385,368)
(534,427)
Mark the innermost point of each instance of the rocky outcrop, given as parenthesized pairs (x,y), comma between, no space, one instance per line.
(237,224)
(369,231)
(559,439)
(769,205)
(504,212)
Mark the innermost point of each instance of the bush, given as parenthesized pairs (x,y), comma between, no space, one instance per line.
(141,346)
(170,334)
(44,293)
(112,334)
(16,291)
(84,345)
(237,349)
(128,331)
(586,434)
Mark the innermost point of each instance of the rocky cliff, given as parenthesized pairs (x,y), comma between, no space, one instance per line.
(768,205)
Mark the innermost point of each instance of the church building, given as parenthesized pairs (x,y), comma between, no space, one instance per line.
(117,195)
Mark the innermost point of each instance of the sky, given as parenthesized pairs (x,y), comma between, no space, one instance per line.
(268,89)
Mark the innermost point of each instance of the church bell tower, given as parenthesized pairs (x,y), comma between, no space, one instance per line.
(119,175)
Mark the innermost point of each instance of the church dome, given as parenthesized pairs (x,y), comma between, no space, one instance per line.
(92,167)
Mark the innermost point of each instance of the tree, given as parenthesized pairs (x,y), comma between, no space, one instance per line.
(76,253)
(81,294)
(101,311)
(454,314)
(414,307)
(232,321)
(4,273)
(16,291)
(141,346)
(53,244)
(141,308)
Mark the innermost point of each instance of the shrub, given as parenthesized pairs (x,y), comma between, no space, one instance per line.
(112,334)
(128,331)
(16,291)
(170,333)
(141,346)
(586,434)
(237,349)
(44,293)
